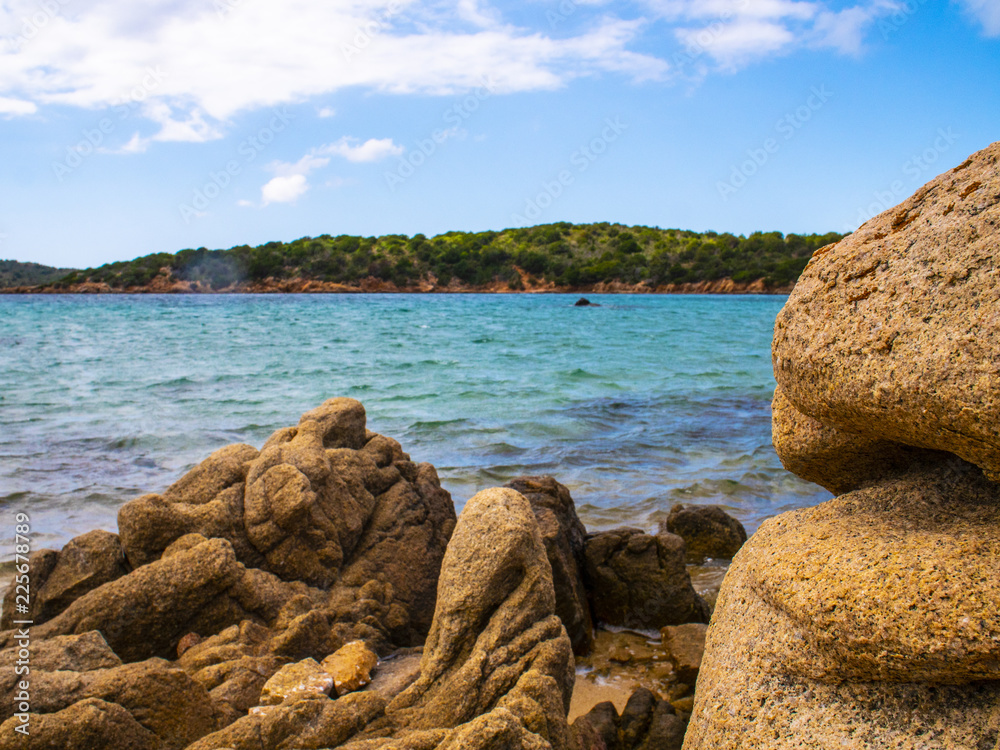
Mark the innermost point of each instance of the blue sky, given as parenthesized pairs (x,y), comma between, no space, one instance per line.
(131,128)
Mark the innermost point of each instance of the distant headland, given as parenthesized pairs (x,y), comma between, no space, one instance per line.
(560,257)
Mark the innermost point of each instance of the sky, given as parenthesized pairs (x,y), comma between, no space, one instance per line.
(132,128)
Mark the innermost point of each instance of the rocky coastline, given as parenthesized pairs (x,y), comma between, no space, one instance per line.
(165,284)
(320,592)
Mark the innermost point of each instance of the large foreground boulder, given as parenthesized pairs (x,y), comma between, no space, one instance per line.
(872,620)
(891,334)
(837,460)
(868,621)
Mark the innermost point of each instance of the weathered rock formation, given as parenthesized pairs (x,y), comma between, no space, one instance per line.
(497,668)
(707,531)
(327,504)
(251,562)
(637,580)
(892,335)
(246,607)
(873,620)
(58,578)
(564,537)
(646,723)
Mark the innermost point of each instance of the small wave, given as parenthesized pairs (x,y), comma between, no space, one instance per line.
(580,374)
(126,442)
(437,424)
(173,382)
(505,449)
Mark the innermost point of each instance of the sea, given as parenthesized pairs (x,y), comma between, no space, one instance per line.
(636,404)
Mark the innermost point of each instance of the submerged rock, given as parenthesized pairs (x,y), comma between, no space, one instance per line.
(707,531)
(640,581)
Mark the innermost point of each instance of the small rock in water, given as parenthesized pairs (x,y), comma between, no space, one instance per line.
(584,302)
(351,666)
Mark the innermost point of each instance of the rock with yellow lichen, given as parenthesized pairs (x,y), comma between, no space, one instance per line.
(873,620)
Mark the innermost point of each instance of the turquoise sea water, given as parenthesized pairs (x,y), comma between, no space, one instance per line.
(635,405)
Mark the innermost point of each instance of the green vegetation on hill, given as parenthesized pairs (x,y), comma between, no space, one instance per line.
(566,254)
(15,273)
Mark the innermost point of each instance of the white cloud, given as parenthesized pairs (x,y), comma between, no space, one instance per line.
(264,53)
(845,30)
(303,166)
(371,150)
(727,9)
(284,189)
(13,107)
(477,13)
(191,69)
(291,181)
(734,44)
(735,33)
(987,12)
(135,145)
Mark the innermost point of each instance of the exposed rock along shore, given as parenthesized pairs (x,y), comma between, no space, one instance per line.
(873,620)
(320,592)
(167,285)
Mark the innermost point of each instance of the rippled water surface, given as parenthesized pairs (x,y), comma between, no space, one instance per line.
(637,404)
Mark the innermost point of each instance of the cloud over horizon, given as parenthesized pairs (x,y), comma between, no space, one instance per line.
(190,66)
(236,55)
